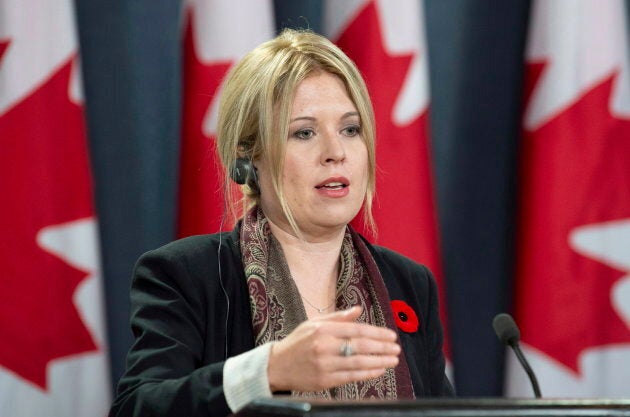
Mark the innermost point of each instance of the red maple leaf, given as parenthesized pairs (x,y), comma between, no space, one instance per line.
(201,199)
(574,172)
(404,207)
(45,182)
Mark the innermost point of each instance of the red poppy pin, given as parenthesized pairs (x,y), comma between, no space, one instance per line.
(406,318)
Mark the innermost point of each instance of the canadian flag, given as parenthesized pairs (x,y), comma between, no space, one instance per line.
(53,359)
(218,33)
(386,40)
(573,265)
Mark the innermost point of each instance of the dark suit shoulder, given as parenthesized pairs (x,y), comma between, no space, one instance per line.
(402,265)
(406,279)
(194,247)
(192,264)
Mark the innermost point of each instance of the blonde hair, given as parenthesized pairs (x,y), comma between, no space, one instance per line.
(255,108)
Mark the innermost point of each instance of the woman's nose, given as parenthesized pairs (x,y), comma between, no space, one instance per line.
(333,148)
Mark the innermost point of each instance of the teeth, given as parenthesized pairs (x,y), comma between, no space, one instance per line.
(334,185)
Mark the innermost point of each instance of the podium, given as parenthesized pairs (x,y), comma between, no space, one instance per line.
(434,407)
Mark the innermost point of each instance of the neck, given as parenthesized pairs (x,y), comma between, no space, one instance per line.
(314,266)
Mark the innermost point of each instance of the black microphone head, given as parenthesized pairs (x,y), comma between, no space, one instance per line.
(506,329)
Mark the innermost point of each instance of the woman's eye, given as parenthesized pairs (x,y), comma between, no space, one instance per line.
(304,134)
(352,130)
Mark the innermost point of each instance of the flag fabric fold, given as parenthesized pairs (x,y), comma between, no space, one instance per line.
(572,289)
(53,355)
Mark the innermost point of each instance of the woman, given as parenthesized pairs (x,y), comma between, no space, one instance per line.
(293,299)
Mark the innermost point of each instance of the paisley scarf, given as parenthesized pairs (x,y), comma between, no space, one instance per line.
(277,308)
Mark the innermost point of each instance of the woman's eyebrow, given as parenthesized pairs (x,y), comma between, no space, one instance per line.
(350,114)
(312,119)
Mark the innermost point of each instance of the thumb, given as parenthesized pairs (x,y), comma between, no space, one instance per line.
(348,315)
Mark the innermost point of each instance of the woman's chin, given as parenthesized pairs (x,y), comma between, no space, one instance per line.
(328,224)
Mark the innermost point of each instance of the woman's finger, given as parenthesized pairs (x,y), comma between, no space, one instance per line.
(361,362)
(362,346)
(353,330)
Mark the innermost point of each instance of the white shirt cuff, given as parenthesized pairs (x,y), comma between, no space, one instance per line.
(245,377)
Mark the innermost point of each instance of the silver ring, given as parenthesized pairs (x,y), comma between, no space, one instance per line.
(346,350)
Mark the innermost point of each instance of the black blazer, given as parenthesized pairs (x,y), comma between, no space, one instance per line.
(190,312)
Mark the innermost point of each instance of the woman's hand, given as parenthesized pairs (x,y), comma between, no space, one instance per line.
(311,359)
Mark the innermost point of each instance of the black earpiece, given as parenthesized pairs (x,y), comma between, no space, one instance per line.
(244,172)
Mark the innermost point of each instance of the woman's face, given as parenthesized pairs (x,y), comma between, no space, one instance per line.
(326,162)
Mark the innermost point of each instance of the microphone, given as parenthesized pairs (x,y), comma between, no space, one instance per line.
(507,331)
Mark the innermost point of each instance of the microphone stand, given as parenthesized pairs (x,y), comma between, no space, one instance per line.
(530,373)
